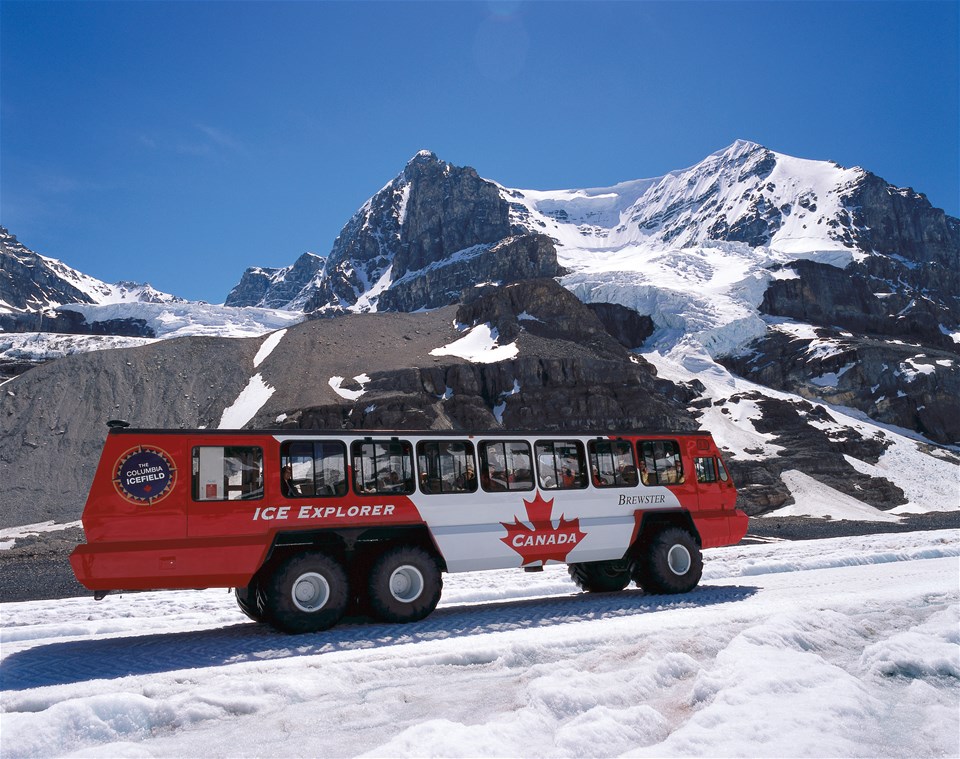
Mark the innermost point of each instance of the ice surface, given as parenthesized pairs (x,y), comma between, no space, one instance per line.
(844,647)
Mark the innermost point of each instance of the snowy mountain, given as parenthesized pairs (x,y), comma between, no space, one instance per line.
(49,310)
(772,209)
(31,283)
(752,257)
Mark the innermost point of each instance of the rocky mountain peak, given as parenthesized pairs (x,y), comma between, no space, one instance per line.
(430,212)
(288,287)
(30,282)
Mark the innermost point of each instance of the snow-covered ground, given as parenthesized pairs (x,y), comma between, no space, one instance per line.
(841,647)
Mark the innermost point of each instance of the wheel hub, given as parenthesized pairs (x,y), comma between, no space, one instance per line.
(679,560)
(311,591)
(406,583)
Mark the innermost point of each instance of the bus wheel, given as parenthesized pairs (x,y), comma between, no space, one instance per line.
(308,592)
(248,603)
(600,576)
(404,584)
(671,564)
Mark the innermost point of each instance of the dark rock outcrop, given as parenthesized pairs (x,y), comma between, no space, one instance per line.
(896,383)
(441,283)
(807,448)
(826,296)
(431,211)
(29,282)
(629,328)
(288,287)
(899,222)
(69,322)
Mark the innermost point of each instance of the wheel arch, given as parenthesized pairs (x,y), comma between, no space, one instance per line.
(348,546)
(653,522)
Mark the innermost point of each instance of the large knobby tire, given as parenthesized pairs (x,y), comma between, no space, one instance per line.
(404,584)
(247,600)
(672,563)
(308,592)
(600,576)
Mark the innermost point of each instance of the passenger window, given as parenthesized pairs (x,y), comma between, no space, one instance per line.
(446,467)
(560,464)
(706,469)
(313,468)
(505,465)
(660,463)
(227,473)
(382,466)
(612,464)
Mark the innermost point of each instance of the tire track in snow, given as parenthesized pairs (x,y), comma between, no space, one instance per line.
(108,658)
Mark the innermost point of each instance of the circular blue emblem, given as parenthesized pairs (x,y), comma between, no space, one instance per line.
(145,475)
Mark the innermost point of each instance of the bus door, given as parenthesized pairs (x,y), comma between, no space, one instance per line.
(714,486)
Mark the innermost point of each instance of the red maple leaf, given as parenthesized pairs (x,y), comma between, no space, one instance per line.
(543,542)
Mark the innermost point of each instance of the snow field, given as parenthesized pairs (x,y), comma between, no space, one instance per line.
(843,647)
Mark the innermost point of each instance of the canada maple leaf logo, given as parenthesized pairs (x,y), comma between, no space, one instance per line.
(541,542)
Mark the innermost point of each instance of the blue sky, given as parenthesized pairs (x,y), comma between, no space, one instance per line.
(181,142)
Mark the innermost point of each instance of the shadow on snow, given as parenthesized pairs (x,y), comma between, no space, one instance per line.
(109,658)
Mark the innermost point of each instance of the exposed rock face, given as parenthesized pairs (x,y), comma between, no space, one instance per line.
(73,323)
(827,296)
(424,216)
(288,287)
(629,328)
(29,282)
(441,283)
(880,345)
(447,209)
(900,222)
(570,374)
(810,449)
(905,385)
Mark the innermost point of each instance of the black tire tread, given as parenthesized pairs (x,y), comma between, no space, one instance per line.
(279,609)
(383,605)
(651,571)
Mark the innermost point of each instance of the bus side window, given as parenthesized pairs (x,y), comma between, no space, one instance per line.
(227,473)
(506,465)
(313,468)
(382,466)
(446,467)
(612,464)
(706,469)
(660,463)
(560,464)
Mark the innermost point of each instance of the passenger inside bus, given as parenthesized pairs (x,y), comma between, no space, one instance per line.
(287,485)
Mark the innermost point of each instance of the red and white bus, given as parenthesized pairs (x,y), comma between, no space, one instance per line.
(305,524)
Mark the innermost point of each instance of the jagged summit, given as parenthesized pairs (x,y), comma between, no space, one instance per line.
(287,287)
(424,156)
